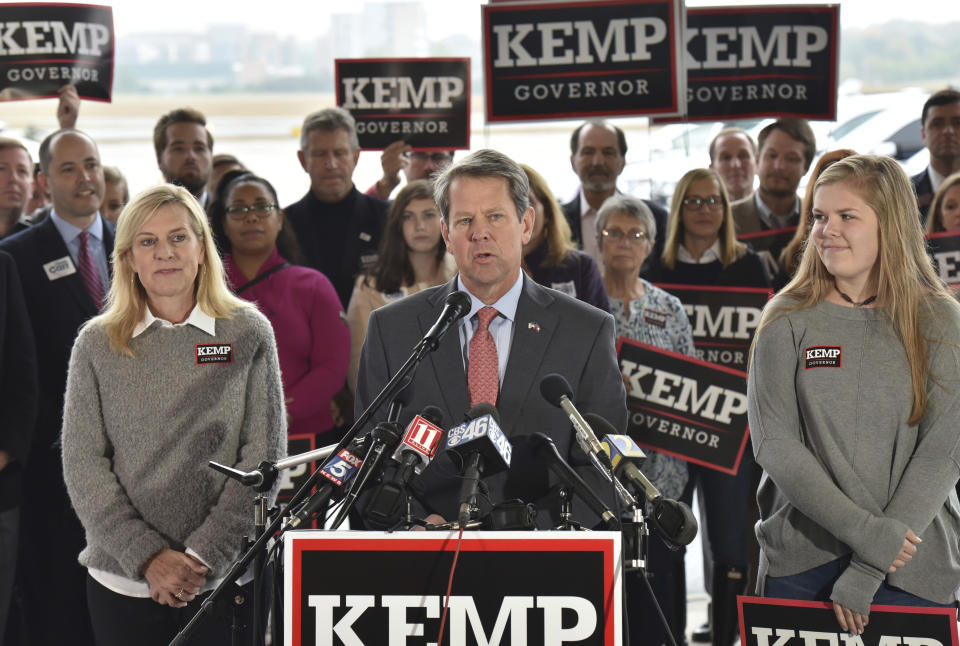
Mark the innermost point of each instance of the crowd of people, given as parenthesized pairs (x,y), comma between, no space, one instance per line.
(204,320)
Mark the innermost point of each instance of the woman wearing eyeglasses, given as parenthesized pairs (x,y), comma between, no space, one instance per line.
(701,249)
(313,342)
(626,231)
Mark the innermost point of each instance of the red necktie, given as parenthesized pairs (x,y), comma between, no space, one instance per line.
(483,378)
(89,272)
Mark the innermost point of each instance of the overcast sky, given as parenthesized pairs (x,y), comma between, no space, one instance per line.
(309,18)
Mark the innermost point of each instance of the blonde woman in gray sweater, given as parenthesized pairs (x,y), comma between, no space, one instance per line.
(853,402)
(175,372)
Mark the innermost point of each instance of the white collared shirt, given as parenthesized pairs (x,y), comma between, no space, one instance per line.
(710,255)
(588,229)
(197,318)
(776,221)
(936,179)
(501,327)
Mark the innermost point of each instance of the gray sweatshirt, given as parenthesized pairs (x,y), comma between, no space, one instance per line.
(138,432)
(829,395)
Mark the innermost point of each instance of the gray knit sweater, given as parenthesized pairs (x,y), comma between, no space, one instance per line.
(138,432)
(829,395)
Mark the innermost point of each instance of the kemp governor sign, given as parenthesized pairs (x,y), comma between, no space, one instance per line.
(758,61)
(685,407)
(779,622)
(423,101)
(46,46)
(559,60)
(515,588)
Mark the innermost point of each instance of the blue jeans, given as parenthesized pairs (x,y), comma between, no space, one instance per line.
(816,585)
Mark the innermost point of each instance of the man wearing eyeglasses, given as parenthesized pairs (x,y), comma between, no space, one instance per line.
(415,164)
(337,226)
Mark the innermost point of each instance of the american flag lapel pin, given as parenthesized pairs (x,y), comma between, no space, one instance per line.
(533,326)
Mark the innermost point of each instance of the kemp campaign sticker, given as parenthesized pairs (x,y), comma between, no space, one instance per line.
(822,356)
(214,353)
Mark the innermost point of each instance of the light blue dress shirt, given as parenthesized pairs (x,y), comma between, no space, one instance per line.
(71,237)
(501,327)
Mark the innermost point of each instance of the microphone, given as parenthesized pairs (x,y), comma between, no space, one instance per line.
(417,448)
(545,448)
(455,307)
(556,390)
(673,520)
(482,448)
(385,436)
(338,470)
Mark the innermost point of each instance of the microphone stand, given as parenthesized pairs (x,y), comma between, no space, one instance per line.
(427,344)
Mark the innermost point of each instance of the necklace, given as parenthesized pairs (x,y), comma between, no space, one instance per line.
(853,302)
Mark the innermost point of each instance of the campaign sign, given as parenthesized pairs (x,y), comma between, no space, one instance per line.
(423,101)
(293,478)
(723,320)
(563,60)
(685,407)
(782,622)
(944,248)
(762,61)
(46,46)
(509,588)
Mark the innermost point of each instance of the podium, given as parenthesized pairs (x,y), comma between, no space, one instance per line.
(509,588)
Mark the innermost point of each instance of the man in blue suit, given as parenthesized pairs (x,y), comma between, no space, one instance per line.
(535,330)
(63,263)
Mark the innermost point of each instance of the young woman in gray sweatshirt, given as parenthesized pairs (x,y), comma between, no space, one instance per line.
(854,397)
(176,371)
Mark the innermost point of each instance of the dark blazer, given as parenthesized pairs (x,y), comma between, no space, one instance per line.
(553,333)
(924,190)
(51,537)
(57,309)
(357,236)
(572,212)
(18,382)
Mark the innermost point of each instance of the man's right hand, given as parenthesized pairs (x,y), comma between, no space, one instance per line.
(392,161)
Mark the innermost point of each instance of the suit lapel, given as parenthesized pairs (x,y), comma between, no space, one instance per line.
(52,247)
(533,328)
(447,360)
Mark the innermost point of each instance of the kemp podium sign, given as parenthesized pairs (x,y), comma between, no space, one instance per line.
(762,61)
(779,622)
(423,101)
(46,46)
(723,320)
(563,60)
(517,588)
(685,407)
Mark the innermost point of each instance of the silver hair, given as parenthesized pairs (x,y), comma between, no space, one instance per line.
(329,119)
(630,206)
(484,163)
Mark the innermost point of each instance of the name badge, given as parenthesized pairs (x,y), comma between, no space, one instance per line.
(60,268)
(214,353)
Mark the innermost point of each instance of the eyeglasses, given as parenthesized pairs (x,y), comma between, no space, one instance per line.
(261,211)
(713,202)
(634,236)
(436,158)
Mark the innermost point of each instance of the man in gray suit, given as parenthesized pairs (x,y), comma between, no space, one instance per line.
(537,331)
